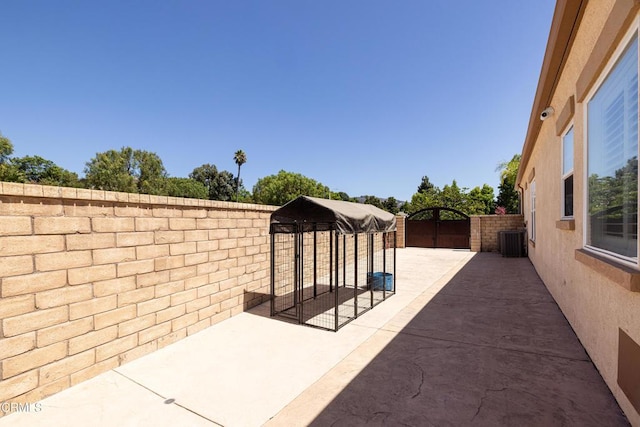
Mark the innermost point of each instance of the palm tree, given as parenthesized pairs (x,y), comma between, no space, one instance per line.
(509,170)
(240,158)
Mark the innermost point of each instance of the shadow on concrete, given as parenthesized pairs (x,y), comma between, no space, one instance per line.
(252,299)
(491,348)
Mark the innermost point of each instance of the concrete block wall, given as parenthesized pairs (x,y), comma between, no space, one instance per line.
(90,280)
(485,229)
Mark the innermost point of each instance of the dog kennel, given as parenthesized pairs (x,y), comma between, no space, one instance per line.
(331,260)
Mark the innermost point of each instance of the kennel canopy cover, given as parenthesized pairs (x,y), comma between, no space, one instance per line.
(324,214)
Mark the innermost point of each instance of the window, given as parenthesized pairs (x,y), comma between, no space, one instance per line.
(532,232)
(612,159)
(567,174)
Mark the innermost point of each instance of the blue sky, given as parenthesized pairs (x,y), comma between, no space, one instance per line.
(365,97)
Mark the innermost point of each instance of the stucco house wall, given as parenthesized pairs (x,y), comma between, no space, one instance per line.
(599,296)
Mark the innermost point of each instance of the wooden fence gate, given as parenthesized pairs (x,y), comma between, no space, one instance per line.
(438,227)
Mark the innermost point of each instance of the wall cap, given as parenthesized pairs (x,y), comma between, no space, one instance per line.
(14,189)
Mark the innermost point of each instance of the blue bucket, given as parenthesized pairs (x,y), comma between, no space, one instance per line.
(380,280)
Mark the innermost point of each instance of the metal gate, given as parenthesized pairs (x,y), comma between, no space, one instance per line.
(438,227)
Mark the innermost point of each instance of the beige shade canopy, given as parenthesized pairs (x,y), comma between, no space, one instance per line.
(311,213)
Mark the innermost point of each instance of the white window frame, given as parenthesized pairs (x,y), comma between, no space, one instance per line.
(532,191)
(565,175)
(615,57)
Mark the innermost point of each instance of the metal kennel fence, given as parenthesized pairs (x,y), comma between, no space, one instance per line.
(331,261)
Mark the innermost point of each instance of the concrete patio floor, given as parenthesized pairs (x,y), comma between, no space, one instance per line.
(469,339)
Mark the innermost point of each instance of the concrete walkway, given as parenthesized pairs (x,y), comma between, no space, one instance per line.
(470,339)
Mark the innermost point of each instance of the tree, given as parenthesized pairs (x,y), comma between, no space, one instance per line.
(111,171)
(150,173)
(480,201)
(127,170)
(390,205)
(6,149)
(32,169)
(453,197)
(240,158)
(286,186)
(7,171)
(427,196)
(509,170)
(37,170)
(425,185)
(219,185)
(186,187)
(341,195)
(10,173)
(373,200)
(475,202)
(423,200)
(245,195)
(507,195)
(508,198)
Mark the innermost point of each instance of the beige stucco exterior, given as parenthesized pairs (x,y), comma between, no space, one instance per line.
(598,297)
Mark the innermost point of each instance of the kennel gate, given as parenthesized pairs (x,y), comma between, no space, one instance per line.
(324,277)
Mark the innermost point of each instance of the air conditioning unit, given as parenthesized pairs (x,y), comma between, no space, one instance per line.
(512,243)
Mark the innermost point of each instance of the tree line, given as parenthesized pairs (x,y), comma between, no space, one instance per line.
(126,170)
(139,171)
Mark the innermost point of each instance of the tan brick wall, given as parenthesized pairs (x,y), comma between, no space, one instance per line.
(90,280)
(485,229)
(400,221)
